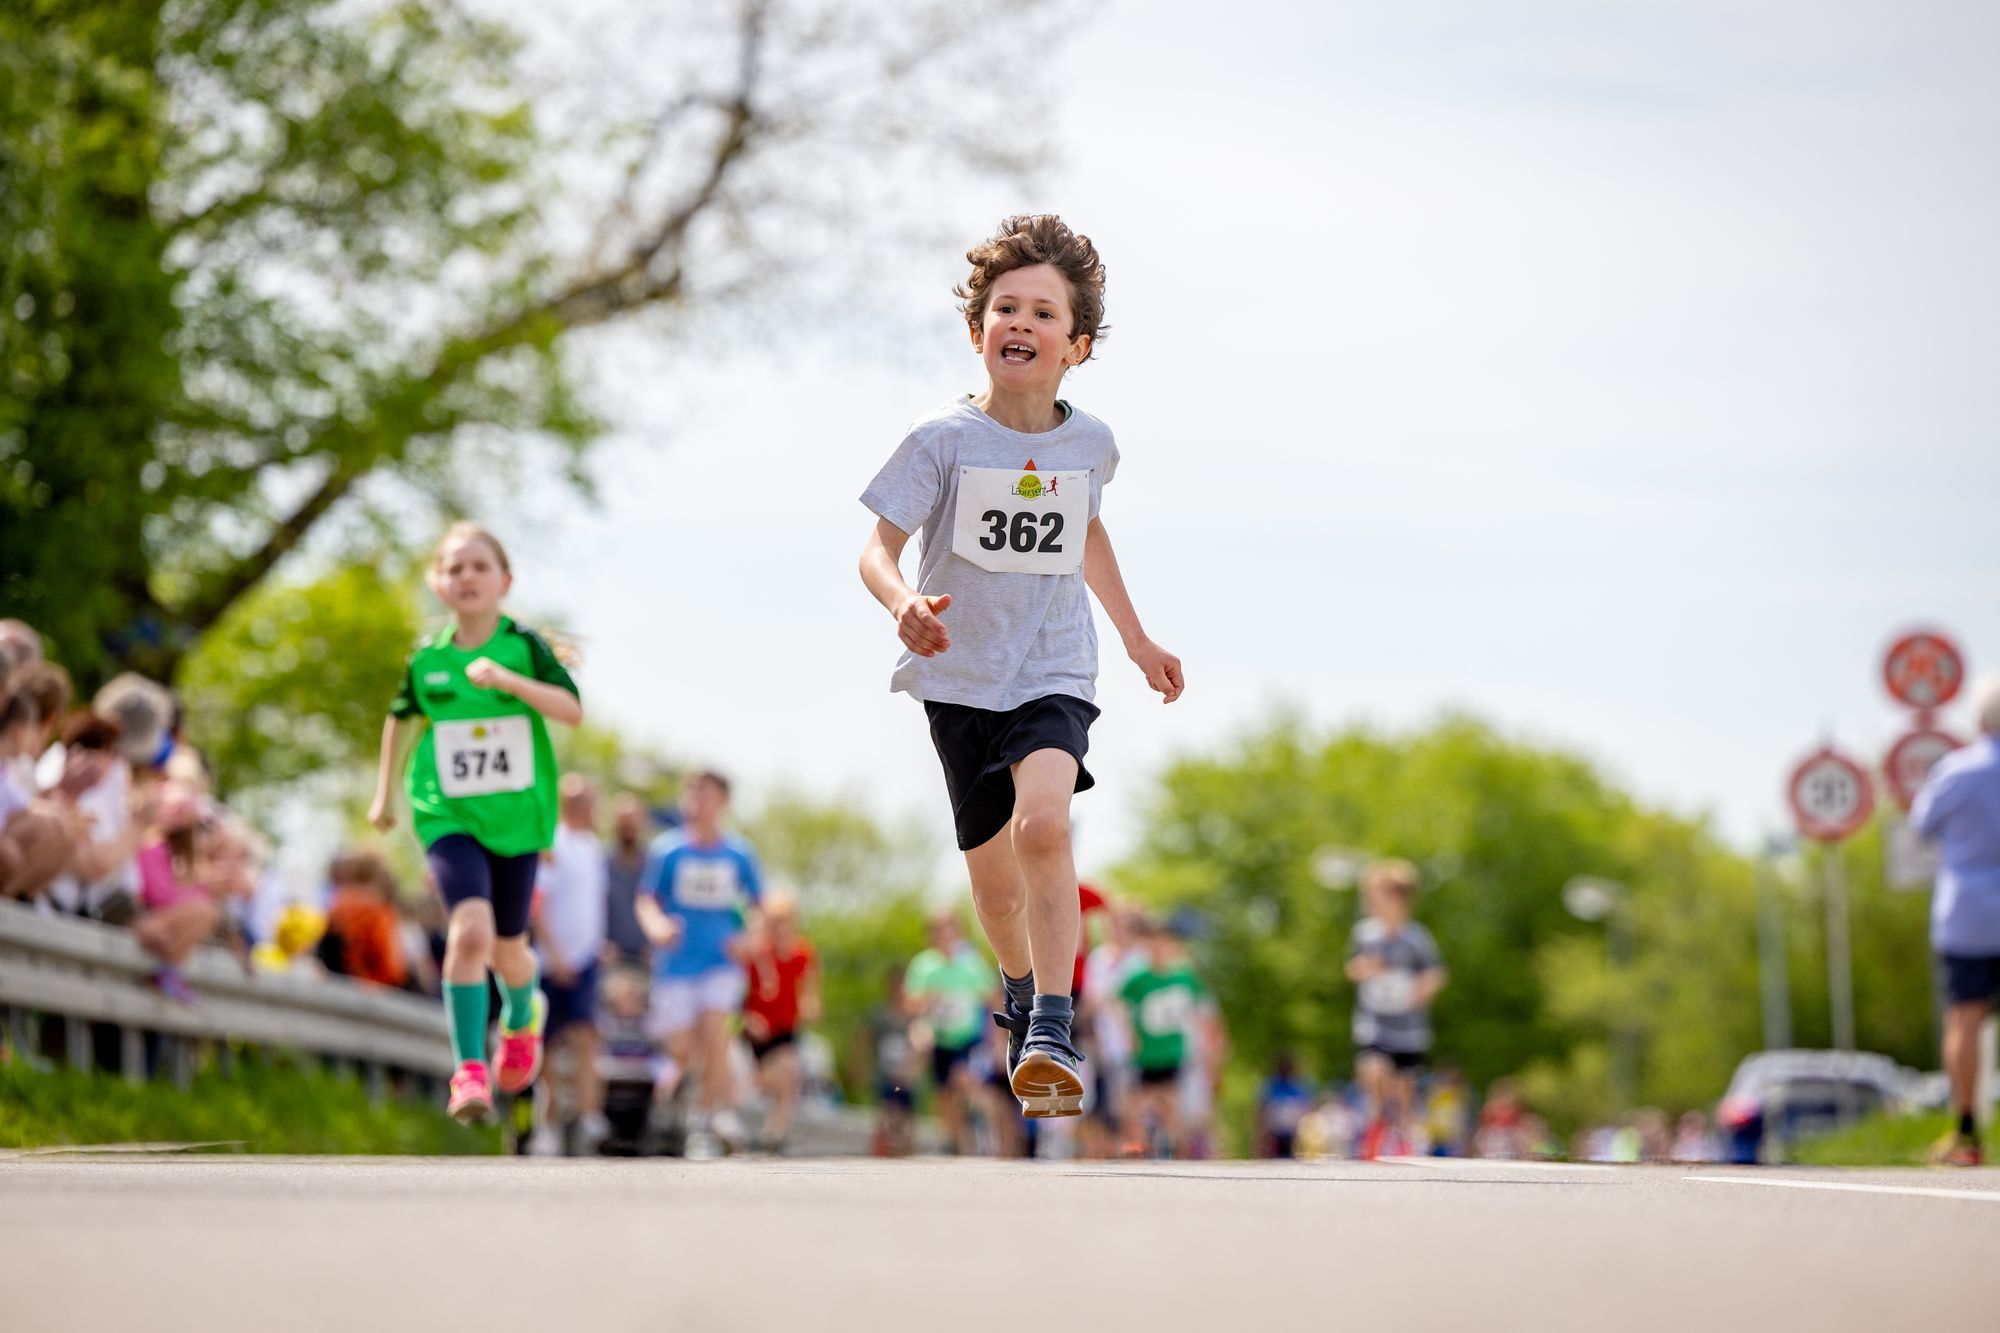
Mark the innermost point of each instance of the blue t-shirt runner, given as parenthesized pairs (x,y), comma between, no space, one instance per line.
(705,887)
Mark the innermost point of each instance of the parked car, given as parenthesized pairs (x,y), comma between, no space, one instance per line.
(1777,1098)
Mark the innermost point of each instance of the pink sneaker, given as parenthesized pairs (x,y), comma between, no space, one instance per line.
(521,1052)
(471,1098)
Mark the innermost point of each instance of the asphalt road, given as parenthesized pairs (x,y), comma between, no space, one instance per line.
(219,1242)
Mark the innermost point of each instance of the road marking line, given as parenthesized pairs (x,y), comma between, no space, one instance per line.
(1970,1196)
(1462,1163)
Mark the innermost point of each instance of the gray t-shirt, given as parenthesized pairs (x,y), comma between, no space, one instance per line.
(1014,636)
(1386,1013)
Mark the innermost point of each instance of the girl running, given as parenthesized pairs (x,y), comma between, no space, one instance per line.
(482,785)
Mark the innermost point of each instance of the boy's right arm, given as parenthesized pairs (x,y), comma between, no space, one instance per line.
(917,623)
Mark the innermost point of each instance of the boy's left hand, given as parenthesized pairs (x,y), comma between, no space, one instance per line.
(1162,668)
(488,674)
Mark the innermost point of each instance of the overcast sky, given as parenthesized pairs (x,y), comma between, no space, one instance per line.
(1625,375)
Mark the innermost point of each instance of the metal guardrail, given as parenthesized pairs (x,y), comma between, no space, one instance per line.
(84,972)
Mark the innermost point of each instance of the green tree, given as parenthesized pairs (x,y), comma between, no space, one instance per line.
(282,277)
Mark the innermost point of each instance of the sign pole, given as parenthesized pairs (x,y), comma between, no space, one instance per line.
(1775,985)
(1839,960)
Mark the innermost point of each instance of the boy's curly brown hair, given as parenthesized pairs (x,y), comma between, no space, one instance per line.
(1027,239)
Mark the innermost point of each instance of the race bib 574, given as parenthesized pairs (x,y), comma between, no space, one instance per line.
(485,757)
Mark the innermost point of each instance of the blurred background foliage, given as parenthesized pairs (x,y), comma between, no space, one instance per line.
(1498,827)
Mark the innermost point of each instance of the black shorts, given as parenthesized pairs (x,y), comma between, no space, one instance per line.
(772,1044)
(465,870)
(573,1005)
(944,1059)
(1969,980)
(980,747)
(1159,1078)
(1406,1062)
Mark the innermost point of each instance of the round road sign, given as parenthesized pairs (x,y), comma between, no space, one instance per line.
(1910,759)
(1923,670)
(1830,795)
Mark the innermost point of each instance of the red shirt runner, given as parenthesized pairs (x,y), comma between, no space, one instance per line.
(774,985)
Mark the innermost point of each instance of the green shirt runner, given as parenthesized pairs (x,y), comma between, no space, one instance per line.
(1161,1004)
(964,983)
(485,766)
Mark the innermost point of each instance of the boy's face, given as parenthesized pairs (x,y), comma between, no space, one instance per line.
(703,802)
(468,577)
(1388,905)
(1024,339)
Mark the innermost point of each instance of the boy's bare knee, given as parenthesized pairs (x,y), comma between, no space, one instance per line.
(1041,830)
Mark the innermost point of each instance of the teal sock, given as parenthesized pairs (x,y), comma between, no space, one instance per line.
(465,1008)
(519,1008)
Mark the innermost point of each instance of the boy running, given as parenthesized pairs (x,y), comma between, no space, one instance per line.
(482,789)
(692,896)
(948,987)
(1397,972)
(1005,486)
(1162,999)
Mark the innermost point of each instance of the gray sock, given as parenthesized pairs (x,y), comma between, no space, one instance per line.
(1020,992)
(1051,1018)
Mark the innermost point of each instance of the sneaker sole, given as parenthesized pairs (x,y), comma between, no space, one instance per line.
(470,1112)
(1046,1088)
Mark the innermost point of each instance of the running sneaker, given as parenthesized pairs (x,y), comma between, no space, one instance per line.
(1958,1150)
(1015,1025)
(521,1052)
(728,1127)
(471,1097)
(1046,1079)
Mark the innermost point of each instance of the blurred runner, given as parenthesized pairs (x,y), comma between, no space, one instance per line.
(1107,1027)
(1959,807)
(1281,1109)
(569,937)
(949,988)
(1397,972)
(893,1066)
(1160,999)
(692,896)
(782,974)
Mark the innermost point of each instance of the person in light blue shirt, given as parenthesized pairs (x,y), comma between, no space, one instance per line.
(692,897)
(1959,807)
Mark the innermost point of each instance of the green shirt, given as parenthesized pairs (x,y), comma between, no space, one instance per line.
(1162,1005)
(484,766)
(962,985)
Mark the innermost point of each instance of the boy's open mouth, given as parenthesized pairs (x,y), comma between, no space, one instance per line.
(1019,354)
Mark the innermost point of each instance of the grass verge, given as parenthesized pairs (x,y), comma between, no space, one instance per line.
(1883,1140)
(266,1105)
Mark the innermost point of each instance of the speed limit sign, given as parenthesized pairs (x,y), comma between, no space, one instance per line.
(1910,760)
(1830,796)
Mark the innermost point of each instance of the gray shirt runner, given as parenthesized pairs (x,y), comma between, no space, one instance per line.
(1014,637)
(1386,1013)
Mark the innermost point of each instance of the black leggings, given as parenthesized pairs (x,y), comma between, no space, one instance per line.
(465,870)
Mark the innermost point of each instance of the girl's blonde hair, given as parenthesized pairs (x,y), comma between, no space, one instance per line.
(464,530)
